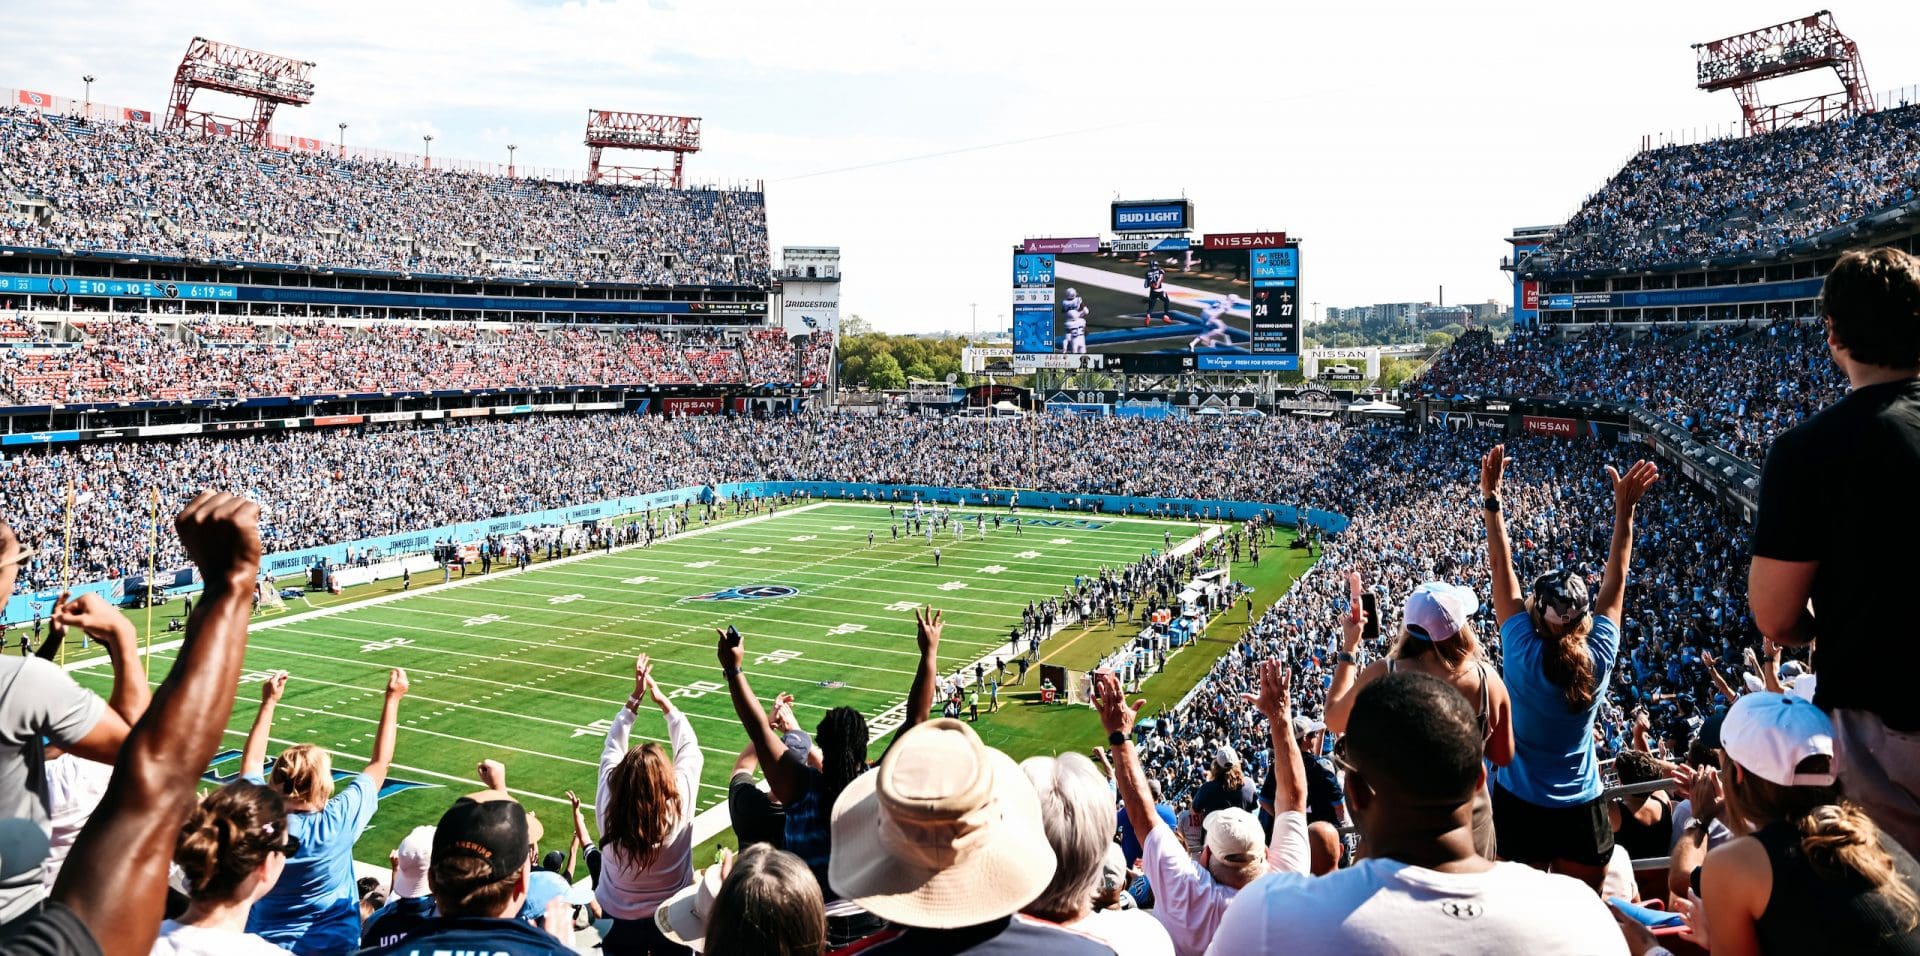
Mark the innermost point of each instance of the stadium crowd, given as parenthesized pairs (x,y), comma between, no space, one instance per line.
(326,486)
(122,357)
(1541,605)
(1734,386)
(1741,195)
(113,187)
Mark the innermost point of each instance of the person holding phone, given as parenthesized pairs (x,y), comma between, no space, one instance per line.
(1436,638)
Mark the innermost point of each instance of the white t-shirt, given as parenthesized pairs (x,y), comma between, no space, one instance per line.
(180,940)
(74,786)
(1186,899)
(1129,932)
(1383,906)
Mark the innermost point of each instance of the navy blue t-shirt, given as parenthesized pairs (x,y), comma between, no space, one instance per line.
(397,921)
(505,937)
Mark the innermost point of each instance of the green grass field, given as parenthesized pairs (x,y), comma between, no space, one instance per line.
(527,667)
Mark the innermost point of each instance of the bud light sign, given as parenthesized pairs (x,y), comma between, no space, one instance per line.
(1157,215)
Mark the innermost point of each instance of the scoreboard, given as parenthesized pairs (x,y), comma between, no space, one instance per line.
(1275,274)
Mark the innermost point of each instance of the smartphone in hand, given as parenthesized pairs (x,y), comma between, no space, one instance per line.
(1370,603)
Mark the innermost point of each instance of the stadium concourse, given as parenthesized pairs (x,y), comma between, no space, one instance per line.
(1581,679)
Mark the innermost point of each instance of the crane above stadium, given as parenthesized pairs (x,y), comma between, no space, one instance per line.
(651,132)
(268,79)
(1742,62)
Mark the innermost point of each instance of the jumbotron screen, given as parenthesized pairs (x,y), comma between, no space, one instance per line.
(1236,309)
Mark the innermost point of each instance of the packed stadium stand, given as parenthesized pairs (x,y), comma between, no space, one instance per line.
(1735,386)
(126,187)
(83,358)
(1741,197)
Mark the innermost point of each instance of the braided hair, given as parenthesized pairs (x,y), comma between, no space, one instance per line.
(842,740)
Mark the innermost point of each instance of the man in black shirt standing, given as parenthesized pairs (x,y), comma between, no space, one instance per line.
(1838,519)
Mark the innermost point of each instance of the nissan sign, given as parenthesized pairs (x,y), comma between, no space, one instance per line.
(1553,427)
(1244,240)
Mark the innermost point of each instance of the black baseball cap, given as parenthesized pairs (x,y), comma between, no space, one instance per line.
(491,829)
(1561,596)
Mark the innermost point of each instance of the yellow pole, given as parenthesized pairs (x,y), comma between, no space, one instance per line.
(66,558)
(153,553)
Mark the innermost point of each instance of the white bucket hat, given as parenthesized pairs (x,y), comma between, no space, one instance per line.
(945,834)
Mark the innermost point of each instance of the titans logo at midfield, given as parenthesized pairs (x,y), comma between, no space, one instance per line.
(746,592)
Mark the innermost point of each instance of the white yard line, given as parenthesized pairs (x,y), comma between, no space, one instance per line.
(317,613)
(710,822)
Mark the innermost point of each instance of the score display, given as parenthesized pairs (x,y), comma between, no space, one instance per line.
(1163,310)
(1275,274)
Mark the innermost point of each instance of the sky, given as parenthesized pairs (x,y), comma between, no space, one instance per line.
(1399,140)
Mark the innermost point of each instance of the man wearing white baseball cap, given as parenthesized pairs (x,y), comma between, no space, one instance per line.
(1812,873)
(412,900)
(1436,638)
(944,841)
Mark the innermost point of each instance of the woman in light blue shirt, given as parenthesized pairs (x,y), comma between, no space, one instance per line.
(314,910)
(1558,648)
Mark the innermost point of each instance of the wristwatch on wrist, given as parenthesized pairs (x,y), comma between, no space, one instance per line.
(1116,738)
(1491,503)
(1346,657)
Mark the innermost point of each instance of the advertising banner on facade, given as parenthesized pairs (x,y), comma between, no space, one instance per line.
(1057,246)
(1554,427)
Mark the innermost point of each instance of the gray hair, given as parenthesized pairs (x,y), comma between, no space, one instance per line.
(1077,810)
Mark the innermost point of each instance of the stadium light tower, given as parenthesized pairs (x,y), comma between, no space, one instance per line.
(510,148)
(655,132)
(1742,62)
(265,78)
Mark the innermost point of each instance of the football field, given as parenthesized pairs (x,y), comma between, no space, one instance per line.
(527,667)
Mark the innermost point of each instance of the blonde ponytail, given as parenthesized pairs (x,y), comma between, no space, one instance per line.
(1839,838)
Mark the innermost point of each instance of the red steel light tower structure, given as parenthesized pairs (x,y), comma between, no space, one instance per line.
(1740,63)
(655,132)
(265,78)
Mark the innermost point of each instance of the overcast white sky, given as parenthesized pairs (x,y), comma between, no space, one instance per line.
(1400,139)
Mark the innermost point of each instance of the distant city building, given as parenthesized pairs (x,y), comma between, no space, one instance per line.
(1422,315)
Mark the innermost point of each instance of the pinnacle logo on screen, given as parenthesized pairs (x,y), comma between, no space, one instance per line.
(746,592)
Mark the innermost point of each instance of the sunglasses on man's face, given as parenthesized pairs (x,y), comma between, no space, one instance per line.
(1341,763)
